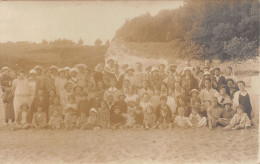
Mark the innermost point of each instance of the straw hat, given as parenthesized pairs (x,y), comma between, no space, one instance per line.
(73,70)
(227,102)
(93,110)
(32,71)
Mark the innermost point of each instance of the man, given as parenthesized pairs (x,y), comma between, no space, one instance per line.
(139,76)
(155,79)
(170,80)
(218,79)
(145,89)
(207,93)
(112,90)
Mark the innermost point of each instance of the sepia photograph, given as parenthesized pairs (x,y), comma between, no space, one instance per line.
(129,82)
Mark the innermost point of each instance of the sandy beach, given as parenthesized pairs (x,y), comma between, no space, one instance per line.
(129,146)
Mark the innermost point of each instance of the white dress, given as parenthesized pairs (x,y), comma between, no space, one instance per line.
(21,94)
(59,84)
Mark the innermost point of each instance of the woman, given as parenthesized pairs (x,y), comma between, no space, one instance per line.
(222,95)
(48,81)
(178,91)
(60,81)
(33,84)
(229,74)
(188,80)
(6,84)
(132,96)
(242,97)
(20,91)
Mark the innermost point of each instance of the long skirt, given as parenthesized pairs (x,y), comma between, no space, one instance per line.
(18,101)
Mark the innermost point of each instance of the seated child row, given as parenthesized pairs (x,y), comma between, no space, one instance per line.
(115,117)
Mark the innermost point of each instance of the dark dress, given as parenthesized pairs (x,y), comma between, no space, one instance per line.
(245,102)
(8,105)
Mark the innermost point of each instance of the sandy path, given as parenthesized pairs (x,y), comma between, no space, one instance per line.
(129,146)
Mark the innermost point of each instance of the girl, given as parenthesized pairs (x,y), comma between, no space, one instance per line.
(92,123)
(181,121)
(77,93)
(178,91)
(164,117)
(74,77)
(222,95)
(145,102)
(132,96)
(40,100)
(39,120)
(104,115)
(69,118)
(240,120)
(82,120)
(164,91)
(56,106)
(84,104)
(55,121)
(171,102)
(52,94)
(130,118)
(139,117)
(24,118)
(60,82)
(194,97)
(71,104)
(65,94)
(182,103)
(149,118)
(155,99)
(196,120)
(116,119)
(227,113)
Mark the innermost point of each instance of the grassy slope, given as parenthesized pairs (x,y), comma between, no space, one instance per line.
(26,56)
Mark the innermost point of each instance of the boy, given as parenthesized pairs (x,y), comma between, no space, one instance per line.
(181,121)
(227,113)
(55,121)
(240,120)
(214,113)
(149,118)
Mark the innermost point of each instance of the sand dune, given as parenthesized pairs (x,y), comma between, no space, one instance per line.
(129,146)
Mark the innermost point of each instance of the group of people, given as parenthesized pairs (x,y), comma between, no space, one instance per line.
(120,96)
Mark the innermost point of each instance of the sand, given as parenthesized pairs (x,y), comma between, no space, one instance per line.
(129,146)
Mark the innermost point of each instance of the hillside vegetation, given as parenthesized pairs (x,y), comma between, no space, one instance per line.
(222,29)
(26,55)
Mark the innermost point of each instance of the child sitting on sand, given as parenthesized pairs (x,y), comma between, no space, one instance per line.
(171,102)
(181,121)
(145,102)
(103,115)
(82,120)
(139,117)
(196,120)
(55,121)
(24,118)
(149,118)
(39,120)
(182,103)
(164,117)
(92,123)
(155,99)
(240,120)
(56,106)
(69,118)
(227,114)
(116,118)
(214,113)
(194,97)
(130,118)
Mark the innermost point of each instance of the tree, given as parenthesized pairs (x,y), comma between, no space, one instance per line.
(239,49)
(80,42)
(98,42)
(193,51)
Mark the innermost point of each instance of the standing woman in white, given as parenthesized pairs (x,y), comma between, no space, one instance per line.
(21,91)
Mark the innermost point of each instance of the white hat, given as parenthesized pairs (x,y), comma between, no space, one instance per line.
(129,68)
(154,69)
(5,68)
(54,67)
(206,73)
(66,68)
(61,69)
(74,70)
(32,71)
(93,110)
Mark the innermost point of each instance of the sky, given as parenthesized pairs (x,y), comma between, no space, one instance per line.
(49,20)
